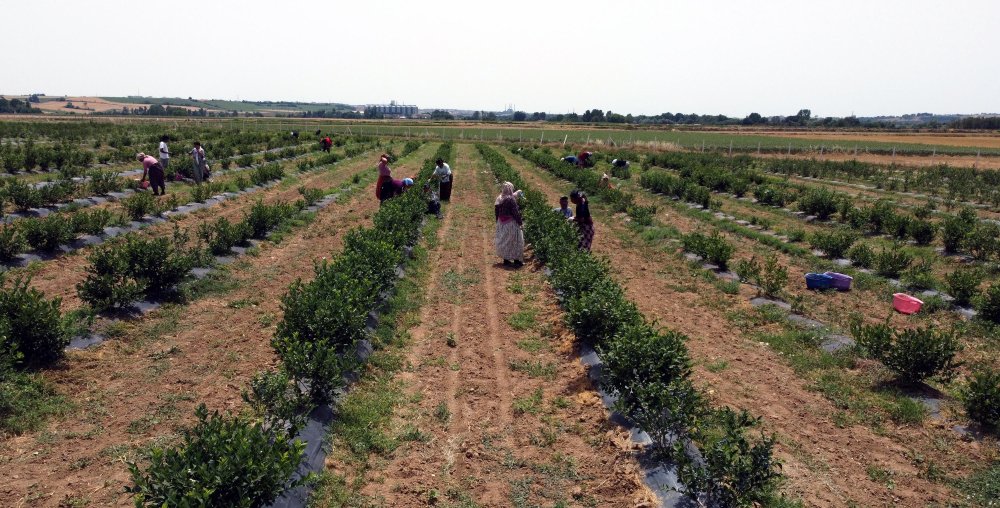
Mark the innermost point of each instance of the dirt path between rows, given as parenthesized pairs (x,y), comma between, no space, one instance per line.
(60,276)
(509,415)
(826,464)
(140,388)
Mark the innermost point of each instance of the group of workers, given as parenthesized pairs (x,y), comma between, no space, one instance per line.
(154,170)
(509,236)
(387,187)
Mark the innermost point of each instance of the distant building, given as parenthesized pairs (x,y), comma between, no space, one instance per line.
(391,110)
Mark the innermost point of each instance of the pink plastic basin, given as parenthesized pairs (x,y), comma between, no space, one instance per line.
(905,303)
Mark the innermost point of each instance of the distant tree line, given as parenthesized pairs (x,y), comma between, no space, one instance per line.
(17,107)
(978,122)
(802,118)
(160,110)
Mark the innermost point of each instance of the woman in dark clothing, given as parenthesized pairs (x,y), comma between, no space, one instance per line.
(582,219)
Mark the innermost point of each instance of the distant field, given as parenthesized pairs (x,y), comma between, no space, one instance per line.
(802,143)
(243,107)
(924,144)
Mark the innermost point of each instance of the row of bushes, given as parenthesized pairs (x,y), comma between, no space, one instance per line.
(46,234)
(922,353)
(585,179)
(24,196)
(30,155)
(670,185)
(951,182)
(714,249)
(248,461)
(222,235)
(72,159)
(122,272)
(961,231)
(647,367)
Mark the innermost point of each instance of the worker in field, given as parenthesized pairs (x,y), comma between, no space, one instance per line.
(563,208)
(164,152)
(395,188)
(327,144)
(384,177)
(442,173)
(583,159)
(605,182)
(570,159)
(200,163)
(509,238)
(433,203)
(584,223)
(620,163)
(152,170)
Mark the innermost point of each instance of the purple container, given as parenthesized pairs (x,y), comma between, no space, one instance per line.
(841,282)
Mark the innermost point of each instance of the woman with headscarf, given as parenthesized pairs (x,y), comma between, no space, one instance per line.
(509,239)
(584,223)
(384,183)
(152,169)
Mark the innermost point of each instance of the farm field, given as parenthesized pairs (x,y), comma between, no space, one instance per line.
(389,353)
(963,148)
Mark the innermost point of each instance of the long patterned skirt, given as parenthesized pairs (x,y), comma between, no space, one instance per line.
(509,241)
(586,236)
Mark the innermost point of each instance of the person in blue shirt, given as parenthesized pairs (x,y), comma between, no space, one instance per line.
(564,208)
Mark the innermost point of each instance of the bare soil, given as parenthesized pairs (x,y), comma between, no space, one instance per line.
(497,435)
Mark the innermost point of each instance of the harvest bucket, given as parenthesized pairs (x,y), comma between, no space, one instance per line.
(905,303)
(818,281)
(841,282)
(144,184)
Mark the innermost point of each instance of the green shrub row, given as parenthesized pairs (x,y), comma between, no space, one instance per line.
(946,181)
(24,195)
(714,249)
(32,331)
(646,366)
(586,180)
(48,233)
(913,354)
(31,155)
(411,146)
(122,272)
(834,243)
(670,185)
(222,235)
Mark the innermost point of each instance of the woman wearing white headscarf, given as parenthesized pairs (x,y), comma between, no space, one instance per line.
(509,239)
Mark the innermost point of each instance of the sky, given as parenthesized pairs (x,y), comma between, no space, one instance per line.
(734,57)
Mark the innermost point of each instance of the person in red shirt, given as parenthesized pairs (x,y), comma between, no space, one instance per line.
(327,144)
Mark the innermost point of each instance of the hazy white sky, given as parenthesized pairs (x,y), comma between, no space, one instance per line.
(869,57)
